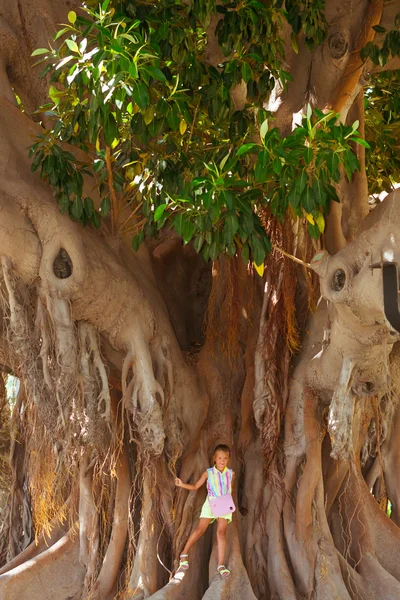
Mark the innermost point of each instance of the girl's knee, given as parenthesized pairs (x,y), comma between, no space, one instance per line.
(201,527)
(221,531)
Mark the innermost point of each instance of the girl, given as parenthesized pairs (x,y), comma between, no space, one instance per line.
(219,483)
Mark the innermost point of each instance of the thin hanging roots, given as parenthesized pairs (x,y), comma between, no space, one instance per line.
(277,324)
(5,423)
(17,526)
(382,497)
(223,330)
(282,236)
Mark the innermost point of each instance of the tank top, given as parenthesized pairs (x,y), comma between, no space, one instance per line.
(219,484)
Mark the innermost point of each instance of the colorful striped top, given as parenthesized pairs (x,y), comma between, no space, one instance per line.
(219,484)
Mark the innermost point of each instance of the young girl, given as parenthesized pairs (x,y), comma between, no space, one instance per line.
(219,482)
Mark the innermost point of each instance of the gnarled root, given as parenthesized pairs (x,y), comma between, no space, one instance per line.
(57,569)
(237,586)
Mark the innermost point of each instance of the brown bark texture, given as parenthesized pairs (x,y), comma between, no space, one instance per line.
(134,365)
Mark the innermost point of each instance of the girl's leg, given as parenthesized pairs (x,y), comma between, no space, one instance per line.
(197,533)
(221,540)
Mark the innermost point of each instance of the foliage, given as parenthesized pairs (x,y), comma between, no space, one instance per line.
(389,48)
(158,127)
(382,131)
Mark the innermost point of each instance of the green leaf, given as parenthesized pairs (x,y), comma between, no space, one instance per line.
(105,4)
(247,223)
(355,126)
(110,130)
(158,213)
(77,208)
(72,17)
(245,149)
(379,29)
(308,155)
(133,70)
(141,95)
(156,73)
(247,73)
(173,119)
(294,197)
(360,141)
(277,165)
(227,198)
(332,162)
(198,242)
(264,129)
(320,194)
(301,181)
(257,249)
(231,226)
(179,223)
(187,230)
(88,207)
(96,219)
(223,162)
(40,51)
(294,42)
(213,251)
(105,206)
(61,32)
(308,199)
(313,231)
(73,46)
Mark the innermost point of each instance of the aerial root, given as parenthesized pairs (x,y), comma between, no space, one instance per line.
(143,397)
(65,347)
(340,419)
(93,371)
(163,369)
(43,334)
(112,560)
(88,522)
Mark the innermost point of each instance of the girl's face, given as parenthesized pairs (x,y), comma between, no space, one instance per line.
(221,459)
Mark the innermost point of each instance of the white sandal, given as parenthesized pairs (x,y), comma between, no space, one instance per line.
(183,562)
(223,571)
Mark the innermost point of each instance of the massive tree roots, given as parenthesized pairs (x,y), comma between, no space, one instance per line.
(106,416)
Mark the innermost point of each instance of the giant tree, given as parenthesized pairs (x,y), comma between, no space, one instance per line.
(189,256)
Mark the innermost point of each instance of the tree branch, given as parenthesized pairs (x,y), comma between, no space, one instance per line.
(355,65)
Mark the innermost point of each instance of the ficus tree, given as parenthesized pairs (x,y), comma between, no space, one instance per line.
(192,255)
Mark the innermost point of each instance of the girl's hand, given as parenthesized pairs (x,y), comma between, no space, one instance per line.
(178,482)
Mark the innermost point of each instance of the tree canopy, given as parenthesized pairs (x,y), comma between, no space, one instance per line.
(168,144)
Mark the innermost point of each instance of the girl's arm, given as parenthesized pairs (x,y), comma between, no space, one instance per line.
(189,486)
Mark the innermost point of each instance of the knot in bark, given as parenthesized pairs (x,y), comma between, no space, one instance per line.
(62,265)
(338,44)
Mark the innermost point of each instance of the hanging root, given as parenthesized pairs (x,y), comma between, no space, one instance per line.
(95,389)
(163,371)
(88,523)
(112,560)
(340,419)
(43,334)
(277,339)
(65,348)
(140,396)
(19,518)
(143,579)
(25,346)
(104,400)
